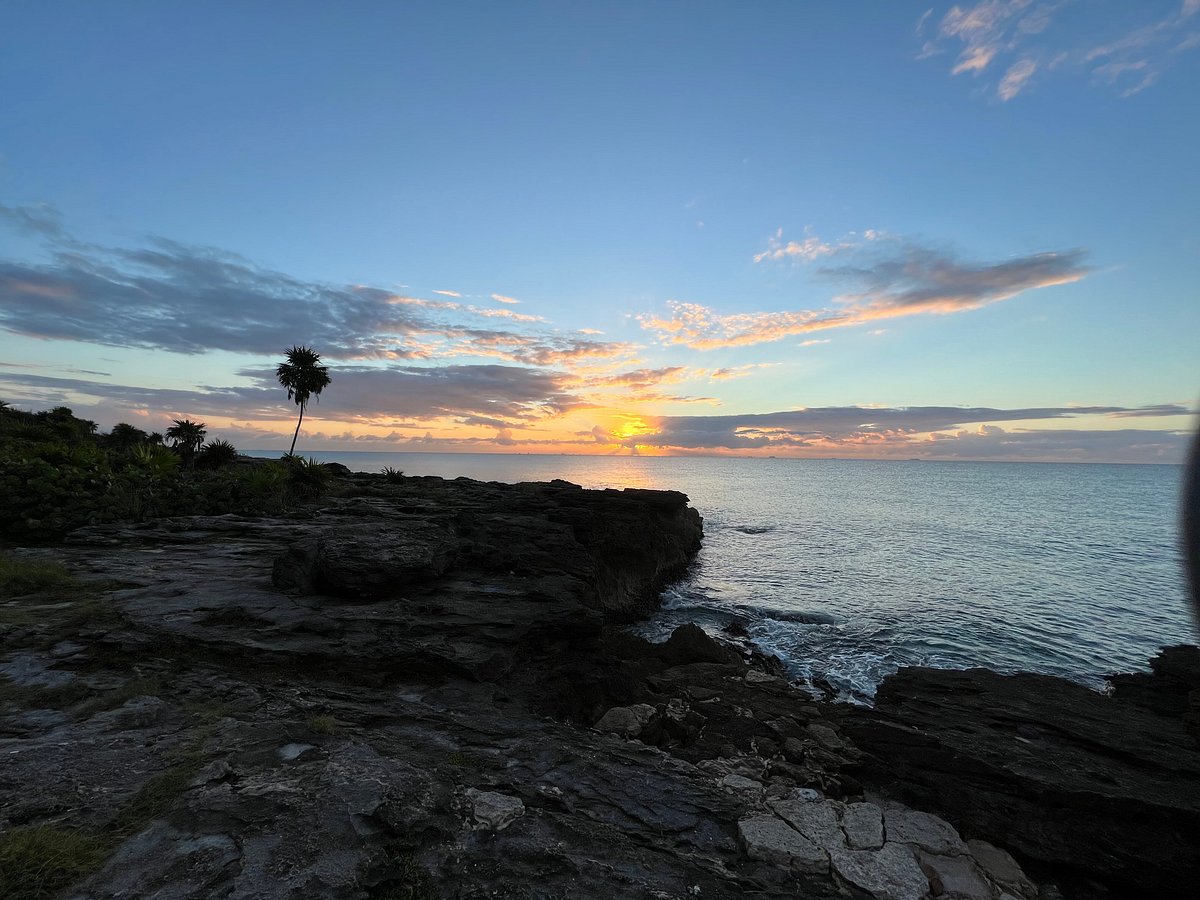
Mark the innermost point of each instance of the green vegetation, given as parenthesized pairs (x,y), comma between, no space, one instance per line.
(394,476)
(58,474)
(322,724)
(39,861)
(19,576)
(186,437)
(303,376)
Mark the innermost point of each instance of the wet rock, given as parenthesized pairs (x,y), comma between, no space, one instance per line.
(770,839)
(862,824)
(492,811)
(890,873)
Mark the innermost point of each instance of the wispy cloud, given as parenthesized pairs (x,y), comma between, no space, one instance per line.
(895,279)
(187,299)
(1020,36)
(934,432)
(365,394)
(500,298)
(1015,78)
(448,293)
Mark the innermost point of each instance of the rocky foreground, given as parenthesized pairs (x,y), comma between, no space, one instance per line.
(422,689)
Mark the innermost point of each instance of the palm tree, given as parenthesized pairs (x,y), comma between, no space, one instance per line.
(304,377)
(186,436)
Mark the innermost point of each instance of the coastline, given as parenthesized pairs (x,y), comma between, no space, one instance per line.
(425,684)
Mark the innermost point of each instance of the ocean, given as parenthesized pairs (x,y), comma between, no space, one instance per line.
(849,569)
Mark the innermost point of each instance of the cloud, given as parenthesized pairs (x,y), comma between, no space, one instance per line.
(902,279)
(926,431)
(358,394)
(448,293)
(500,298)
(814,341)
(810,249)
(1021,34)
(186,299)
(1015,78)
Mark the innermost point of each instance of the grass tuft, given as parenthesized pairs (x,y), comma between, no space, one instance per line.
(39,861)
(20,576)
(322,724)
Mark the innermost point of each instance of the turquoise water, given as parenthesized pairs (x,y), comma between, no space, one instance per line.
(849,569)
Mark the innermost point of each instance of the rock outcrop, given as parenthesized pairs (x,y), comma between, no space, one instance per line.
(1102,791)
(423,689)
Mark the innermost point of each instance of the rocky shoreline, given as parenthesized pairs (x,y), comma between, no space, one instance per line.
(422,688)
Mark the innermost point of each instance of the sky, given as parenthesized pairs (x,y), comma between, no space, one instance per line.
(843,229)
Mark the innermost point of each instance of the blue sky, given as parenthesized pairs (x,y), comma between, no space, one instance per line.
(707,212)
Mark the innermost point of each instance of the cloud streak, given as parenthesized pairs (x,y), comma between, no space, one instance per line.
(1019,35)
(185,299)
(927,431)
(905,280)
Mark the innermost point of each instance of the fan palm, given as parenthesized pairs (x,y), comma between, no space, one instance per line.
(187,436)
(303,376)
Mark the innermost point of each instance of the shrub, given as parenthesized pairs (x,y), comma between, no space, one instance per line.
(394,476)
(306,477)
(216,454)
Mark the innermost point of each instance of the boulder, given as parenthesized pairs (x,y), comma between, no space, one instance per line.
(691,644)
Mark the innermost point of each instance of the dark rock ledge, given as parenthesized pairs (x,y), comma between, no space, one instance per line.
(422,689)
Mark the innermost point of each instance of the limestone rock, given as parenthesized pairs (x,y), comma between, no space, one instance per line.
(922,829)
(890,873)
(1002,868)
(955,877)
(863,826)
(771,839)
(492,811)
(816,820)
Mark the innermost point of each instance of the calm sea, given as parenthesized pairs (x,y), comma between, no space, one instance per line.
(850,569)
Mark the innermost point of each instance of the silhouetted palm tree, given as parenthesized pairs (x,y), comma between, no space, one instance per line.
(303,376)
(186,436)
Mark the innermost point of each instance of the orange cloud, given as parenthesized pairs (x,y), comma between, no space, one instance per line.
(916,281)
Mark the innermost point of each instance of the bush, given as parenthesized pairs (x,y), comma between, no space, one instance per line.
(216,454)
(393,476)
